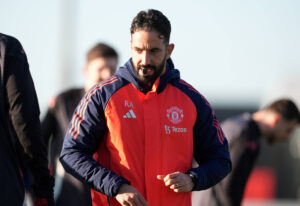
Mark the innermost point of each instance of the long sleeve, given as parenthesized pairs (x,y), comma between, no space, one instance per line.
(210,147)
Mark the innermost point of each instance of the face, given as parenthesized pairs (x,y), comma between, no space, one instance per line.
(149,54)
(282,130)
(99,69)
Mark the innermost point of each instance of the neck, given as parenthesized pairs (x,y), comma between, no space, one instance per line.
(146,86)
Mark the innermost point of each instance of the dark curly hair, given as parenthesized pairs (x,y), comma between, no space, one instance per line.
(152,20)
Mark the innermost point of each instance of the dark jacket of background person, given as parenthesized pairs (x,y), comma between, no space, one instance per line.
(274,123)
(54,126)
(101,62)
(243,136)
(56,121)
(20,129)
(244,144)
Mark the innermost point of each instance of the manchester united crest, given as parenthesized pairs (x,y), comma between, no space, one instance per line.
(175,115)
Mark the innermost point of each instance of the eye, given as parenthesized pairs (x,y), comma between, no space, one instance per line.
(155,50)
(138,50)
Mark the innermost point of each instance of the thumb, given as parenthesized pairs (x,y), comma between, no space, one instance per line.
(160,177)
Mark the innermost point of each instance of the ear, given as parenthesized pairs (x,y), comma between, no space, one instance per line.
(276,118)
(170,49)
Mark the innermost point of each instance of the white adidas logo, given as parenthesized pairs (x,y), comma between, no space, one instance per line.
(129,115)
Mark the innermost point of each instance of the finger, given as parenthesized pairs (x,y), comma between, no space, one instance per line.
(177,190)
(180,189)
(140,201)
(143,202)
(172,176)
(131,202)
(125,204)
(176,186)
(160,177)
(170,182)
(136,201)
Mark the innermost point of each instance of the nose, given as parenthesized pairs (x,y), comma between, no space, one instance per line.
(145,58)
(105,73)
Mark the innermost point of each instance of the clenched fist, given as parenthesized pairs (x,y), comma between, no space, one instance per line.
(129,196)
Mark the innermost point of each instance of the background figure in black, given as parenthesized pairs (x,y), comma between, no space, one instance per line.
(102,62)
(275,123)
(20,130)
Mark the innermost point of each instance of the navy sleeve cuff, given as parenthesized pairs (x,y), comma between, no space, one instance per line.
(197,185)
(118,182)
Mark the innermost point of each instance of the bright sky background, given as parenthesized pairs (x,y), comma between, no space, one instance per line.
(234,52)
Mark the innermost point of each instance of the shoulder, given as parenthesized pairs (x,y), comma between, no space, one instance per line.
(105,89)
(8,40)
(192,93)
(74,95)
(71,93)
(11,45)
(236,126)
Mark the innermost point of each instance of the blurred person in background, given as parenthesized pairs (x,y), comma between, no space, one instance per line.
(274,123)
(133,136)
(21,145)
(102,62)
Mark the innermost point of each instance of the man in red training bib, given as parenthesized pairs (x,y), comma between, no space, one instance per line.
(133,137)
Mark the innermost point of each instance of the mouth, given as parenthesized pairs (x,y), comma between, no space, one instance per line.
(146,71)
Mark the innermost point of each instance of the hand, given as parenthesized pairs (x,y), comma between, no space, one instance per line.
(129,196)
(177,181)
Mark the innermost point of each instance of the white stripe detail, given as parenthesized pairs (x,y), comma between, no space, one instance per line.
(129,115)
(132,114)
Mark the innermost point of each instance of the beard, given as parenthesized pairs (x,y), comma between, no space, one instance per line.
(143,72)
